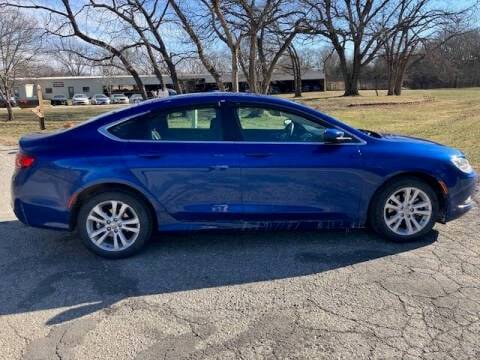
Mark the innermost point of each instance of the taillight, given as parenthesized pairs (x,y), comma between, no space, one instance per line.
(23,161)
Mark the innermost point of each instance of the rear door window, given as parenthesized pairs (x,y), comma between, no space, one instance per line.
(187,124)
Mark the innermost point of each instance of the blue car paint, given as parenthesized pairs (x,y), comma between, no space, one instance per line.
(204,185)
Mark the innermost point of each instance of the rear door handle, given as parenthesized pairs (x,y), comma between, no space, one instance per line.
(218,167)
(258,155)
(150,156)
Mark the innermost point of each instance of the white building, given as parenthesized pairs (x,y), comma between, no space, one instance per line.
(90,85)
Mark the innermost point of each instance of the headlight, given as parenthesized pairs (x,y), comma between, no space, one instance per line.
(462,164)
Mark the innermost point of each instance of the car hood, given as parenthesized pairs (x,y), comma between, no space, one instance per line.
(421,145)
(410,139)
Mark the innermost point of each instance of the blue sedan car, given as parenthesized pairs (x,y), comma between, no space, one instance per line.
(236,161)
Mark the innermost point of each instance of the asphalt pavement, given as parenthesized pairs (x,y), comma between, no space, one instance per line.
(230,295)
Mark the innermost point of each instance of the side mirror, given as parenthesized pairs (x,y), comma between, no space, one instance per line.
(334,136)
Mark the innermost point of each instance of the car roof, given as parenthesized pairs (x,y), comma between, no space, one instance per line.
(79,95)
(219,96)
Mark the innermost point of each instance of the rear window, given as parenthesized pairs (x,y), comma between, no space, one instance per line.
(194,124)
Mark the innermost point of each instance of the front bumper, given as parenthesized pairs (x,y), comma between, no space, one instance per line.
(461,198)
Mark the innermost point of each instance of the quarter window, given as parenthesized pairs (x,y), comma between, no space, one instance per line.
(259,124)
(195,124)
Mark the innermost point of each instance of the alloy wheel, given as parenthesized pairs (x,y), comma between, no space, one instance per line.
(407,211)
(113,225)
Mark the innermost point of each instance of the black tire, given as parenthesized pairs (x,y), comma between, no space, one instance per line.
(141,210)
(376,213)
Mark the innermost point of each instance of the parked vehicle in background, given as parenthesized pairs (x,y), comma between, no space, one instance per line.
(100,99)
(171,92)
(236,161)
(80,99)
(13,102)
(119,99)
(136,98)
(59,100)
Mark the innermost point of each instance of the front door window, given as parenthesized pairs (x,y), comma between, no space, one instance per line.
(259,124)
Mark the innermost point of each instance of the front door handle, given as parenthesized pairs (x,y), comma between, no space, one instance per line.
(218,167)
(258,155)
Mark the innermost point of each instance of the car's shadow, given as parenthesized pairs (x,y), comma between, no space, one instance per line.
(43,269)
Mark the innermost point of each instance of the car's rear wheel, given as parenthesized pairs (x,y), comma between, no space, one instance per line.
(114,224)
(404,210)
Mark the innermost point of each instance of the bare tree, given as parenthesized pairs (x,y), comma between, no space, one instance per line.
(416,22)
(447,61)
(359,25)
(67,53)
(19,43)
(195,35)
(64,23)
(153,15)
(126,11)
(270,28)
(227,31)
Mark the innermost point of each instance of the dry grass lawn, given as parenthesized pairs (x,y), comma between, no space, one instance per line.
(449,116)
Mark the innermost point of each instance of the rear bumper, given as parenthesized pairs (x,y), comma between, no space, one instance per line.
(461,198)
(41,216)
(39,204)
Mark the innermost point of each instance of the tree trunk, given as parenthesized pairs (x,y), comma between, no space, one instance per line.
(391,80)
(297,76)
(351,84)
(5,95)
(351,88)
(399,85)
(10,115)
(391,86)
(156,69)
(173,74)
(351,77)
(235,85)
(400,75)
(252,71)
(136,76)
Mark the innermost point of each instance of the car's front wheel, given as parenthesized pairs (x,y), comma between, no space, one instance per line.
(404,210)
(114,224)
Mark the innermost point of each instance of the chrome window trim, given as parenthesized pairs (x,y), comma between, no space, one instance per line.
(104,131)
